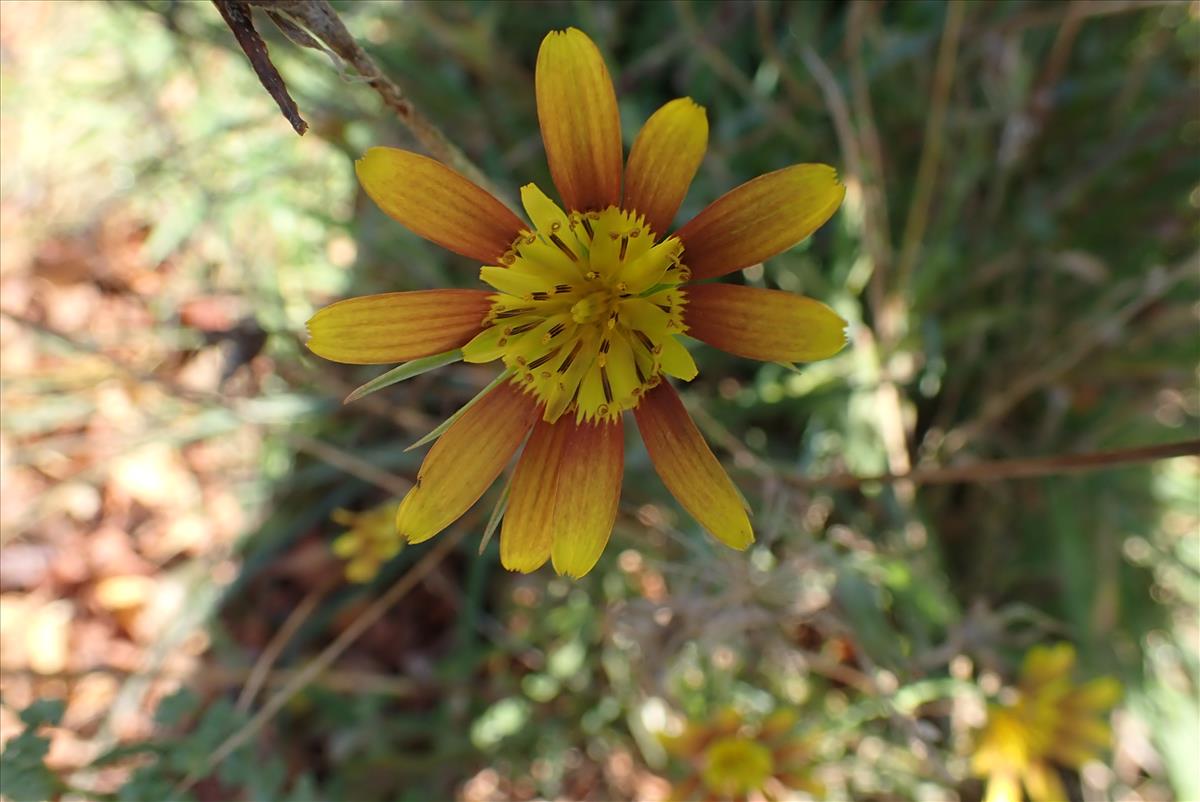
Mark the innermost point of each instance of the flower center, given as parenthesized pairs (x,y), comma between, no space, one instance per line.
(587,309)
(737,766)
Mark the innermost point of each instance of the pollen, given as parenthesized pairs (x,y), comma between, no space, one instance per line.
(586,312)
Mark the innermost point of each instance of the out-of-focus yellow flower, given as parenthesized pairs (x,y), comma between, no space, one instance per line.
(369,541)
(728,758)
(585,305)
(1045,722)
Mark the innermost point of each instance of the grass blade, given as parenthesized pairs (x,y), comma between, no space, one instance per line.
(406,371)
(497,513)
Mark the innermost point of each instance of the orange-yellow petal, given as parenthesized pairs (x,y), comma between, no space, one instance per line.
(1096,695)
(689,469)
(1043,784)
(435,202)
(780,723)
(465,461)
(760,218)
(1086,731)
(581,127)
(589,489)
(1003,787)
(564,497)
(397,326)
(663,161)
(1045,664)
(769,325)
(528,529)
(801,781)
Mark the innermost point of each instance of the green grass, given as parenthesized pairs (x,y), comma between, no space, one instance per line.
(1050,309)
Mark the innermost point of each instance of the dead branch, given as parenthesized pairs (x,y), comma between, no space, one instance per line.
(315,24)
(1005,469)
(239,17)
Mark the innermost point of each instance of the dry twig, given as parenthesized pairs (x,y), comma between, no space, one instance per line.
(877,226)
(1006,469)
(266,662)
(875,237)
(318,18)
(1105,328)
(931,152)
(240,19)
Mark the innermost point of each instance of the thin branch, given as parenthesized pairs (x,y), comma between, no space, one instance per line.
(315,24)
(1026,123)
(888,401)
(240,19)
(1054,14)
(839,111)
(320,19)
(1104,329)
(1007,469)
(266,662)
(931,152)
(860,178)
(222,678)
(348,462)
(802,95)
(876,217)
(727,71)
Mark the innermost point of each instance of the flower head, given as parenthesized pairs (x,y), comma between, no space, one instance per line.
(1046,721)
(727,758)
(587,303)
(369,541)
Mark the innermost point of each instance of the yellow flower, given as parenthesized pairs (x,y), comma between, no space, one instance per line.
(371,540)
(727,758)
(587,304)
(1046,722)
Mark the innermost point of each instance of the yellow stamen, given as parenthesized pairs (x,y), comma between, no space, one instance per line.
(591,299)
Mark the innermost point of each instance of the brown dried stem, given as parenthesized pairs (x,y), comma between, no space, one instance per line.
(1006,469)
(240,19)
(318,18)
(931,152)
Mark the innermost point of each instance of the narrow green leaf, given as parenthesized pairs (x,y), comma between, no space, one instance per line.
(497,513)
(444,425)
(405,371)
(655,289)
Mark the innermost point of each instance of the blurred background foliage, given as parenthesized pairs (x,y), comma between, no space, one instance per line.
(1017,255)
